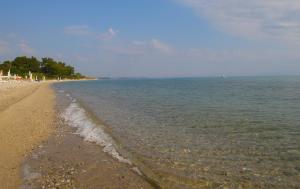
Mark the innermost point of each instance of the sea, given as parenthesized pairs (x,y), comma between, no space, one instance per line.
(210,132)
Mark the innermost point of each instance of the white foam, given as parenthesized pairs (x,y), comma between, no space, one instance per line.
(77,117)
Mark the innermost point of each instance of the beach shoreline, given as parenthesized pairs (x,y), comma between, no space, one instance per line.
(65,160)
(38,150)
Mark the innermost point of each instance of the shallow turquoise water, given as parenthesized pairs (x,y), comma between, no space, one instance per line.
(203,132)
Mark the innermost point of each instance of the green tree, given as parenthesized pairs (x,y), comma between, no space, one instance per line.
(46,67)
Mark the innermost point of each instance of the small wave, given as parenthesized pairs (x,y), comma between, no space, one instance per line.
(77,117)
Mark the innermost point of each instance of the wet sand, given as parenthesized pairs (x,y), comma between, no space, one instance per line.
(67,161)
(26,119)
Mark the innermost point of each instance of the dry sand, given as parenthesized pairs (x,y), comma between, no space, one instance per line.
(26,119)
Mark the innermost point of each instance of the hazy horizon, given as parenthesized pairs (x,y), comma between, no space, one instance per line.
(157,39)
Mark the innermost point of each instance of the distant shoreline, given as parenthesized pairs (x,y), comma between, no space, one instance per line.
(47,81)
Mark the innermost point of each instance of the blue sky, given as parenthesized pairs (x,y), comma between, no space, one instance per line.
(156,38)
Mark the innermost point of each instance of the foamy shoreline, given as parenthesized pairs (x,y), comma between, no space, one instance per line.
(31,137)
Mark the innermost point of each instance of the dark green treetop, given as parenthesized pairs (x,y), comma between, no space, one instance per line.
(47,67)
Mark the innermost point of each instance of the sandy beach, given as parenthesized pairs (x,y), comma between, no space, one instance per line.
(39,151)
(26,119)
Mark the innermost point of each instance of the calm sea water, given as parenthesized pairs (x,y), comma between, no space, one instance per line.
(239,132)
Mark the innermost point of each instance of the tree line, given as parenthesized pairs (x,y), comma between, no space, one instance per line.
(47,67)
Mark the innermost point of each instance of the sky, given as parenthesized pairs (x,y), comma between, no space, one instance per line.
(156,38)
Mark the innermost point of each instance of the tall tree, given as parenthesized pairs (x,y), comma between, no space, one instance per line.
(47,66)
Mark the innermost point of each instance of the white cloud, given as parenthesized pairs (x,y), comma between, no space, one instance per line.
(12,36)
(77,30)
(161,46)
(240,56)
(138,48)
(25,48)
(4,47)
(127,50)
(111,32)
(139,43)
(84,30)
(12,45)
(278,19)
(108,35)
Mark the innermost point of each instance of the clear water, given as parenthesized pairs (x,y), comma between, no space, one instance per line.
(240,132)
